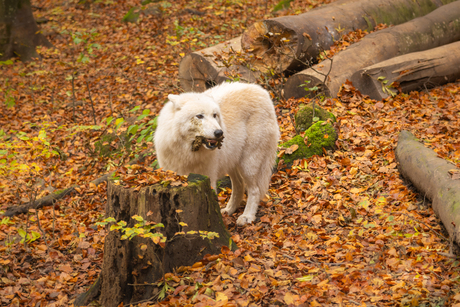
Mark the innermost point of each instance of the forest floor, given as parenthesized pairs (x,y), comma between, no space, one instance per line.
(340,230)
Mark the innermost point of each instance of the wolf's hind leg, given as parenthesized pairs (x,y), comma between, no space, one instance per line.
(237,193)
(249,214)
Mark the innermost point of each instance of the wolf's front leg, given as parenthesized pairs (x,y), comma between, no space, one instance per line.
(249,214)
(237,193)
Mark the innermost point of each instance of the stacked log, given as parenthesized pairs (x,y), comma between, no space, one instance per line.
(410,72)
(201,70)
(291,43)
(437,28)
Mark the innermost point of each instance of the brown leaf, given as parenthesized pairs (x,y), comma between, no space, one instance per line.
(292,149)
(455,174)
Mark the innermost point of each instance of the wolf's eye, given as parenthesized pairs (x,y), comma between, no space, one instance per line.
(200,116)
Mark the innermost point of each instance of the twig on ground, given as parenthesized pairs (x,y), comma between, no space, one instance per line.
(92,103)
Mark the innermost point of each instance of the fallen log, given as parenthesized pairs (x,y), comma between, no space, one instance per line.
(52,198)
(430,175)
(291,43)
(438,28)
(201,70)
(412,72)
(131,268)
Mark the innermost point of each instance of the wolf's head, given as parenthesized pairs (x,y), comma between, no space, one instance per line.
(198,119)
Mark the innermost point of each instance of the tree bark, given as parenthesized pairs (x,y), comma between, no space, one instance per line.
(201,70)
(438,28)
(129,271)
(19,33)
(291,43)
(413,71)
(430,175)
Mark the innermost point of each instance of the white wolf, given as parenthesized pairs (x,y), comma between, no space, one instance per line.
(189,136)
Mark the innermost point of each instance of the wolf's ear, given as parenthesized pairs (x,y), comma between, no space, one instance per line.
(175,101)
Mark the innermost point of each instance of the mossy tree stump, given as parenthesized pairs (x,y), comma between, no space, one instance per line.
(130,269)
(320,135)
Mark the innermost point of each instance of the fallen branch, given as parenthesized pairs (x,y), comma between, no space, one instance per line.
(438,28)
(50,199)
(430,175)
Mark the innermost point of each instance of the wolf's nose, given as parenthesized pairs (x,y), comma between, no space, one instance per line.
(218,133)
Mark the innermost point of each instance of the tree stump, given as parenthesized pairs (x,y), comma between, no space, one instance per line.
(129,269)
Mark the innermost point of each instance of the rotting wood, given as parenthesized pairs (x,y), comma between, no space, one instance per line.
(438,28)
(131,267)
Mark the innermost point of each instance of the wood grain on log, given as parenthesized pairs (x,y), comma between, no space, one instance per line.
(290,43)
(438,28)
(412,71)
(430,175)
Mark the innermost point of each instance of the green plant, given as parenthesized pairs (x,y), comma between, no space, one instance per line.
(86,39)
(6,221)
(9,99)
(188,36)
(307,88)
(145,229)
(118,137)
(387,88)
(164,289)
(283,4)
(28,237)
(15,148)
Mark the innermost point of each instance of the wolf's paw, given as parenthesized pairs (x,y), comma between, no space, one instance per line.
(227,210)
(245,219)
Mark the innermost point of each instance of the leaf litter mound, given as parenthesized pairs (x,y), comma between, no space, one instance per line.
(341,230)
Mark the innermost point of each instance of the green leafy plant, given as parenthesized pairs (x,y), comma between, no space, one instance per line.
(118,138)
(307,88)
(15,147)
(282,5)
(147,229)
(6,221)
(9,98)
(387,88)
(28,237)
(188,36)
(86,39)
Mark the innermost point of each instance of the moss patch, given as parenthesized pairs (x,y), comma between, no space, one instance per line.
(319,135)
(304,117)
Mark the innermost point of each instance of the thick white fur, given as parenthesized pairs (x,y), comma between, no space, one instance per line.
(245,113)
